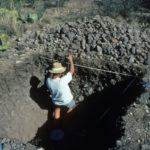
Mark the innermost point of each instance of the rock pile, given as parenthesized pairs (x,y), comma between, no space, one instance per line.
(92,37)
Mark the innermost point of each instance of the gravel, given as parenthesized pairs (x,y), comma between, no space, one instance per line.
(14,144)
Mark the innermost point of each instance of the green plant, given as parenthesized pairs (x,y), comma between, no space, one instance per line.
(33,16)
(4,41)
(4,37)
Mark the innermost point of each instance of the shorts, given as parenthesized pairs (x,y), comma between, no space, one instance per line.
(69,105)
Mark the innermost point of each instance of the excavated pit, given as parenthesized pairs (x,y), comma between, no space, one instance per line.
(114,57)
(29,117)
(102,99)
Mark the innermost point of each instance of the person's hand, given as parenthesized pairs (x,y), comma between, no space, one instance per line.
(71,64)
(69,57)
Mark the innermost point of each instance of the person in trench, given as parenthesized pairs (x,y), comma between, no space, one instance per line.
(59,88)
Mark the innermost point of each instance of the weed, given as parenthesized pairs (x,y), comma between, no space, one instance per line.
(9,22)
(4,41)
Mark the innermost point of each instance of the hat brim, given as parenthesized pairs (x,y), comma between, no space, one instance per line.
(58,71)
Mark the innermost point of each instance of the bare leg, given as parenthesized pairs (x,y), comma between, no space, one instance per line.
(57,113)
(69,110)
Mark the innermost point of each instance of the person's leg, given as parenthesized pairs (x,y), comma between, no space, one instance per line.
(57,113)
(69,110)
(71,106)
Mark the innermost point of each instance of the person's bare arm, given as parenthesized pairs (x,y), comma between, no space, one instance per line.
(71,64)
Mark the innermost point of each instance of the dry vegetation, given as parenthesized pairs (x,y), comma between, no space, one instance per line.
(32,15)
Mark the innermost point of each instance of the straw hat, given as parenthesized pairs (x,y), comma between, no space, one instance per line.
(57,68)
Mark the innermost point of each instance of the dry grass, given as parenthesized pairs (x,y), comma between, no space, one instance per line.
(9,25)
(71,11)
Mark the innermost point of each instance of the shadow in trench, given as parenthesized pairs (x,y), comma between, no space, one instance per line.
(42,97)
(96,122)
(39,94)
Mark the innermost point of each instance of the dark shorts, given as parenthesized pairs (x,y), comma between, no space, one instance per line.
(69,105)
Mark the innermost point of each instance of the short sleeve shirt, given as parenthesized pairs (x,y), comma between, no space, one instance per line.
(60,90)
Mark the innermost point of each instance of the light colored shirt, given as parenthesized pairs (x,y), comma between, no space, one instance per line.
(60,90)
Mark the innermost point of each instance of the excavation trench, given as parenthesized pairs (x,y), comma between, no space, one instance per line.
(102,99)
(95,122)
